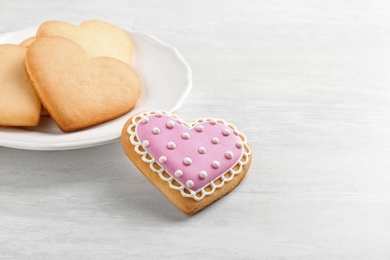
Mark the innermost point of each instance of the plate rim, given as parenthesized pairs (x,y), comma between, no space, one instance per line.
(110,137)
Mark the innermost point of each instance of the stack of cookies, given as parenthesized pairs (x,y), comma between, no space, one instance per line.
(80,75)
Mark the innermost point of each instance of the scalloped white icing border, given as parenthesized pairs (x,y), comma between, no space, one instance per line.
(244,159)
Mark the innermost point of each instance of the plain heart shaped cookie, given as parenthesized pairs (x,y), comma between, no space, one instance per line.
(19,105)
(79,91)
(98,38)
(193,164)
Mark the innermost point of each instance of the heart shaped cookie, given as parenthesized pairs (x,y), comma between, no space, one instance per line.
(98,38)
(193,164)
(79,91)
(19,105)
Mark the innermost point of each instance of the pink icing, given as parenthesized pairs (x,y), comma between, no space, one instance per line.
(201,135)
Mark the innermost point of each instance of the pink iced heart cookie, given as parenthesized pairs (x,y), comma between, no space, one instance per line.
(191,164)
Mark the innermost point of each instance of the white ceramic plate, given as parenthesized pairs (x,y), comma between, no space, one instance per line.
(166,78)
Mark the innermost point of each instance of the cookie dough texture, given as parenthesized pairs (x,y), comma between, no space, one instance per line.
(27,41)
(19,105)
(79,90)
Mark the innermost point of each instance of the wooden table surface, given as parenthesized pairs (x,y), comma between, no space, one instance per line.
(308,82)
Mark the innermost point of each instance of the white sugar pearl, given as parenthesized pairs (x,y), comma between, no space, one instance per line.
(229,155)
(144,120)
(202,150)
(226,132)
(202,174)
(178,173)
(239,145)
(215,140)
(199,128)
(215,164)
(190,184)
(212,122)
(145,143)
(162,159)
(171,145)
(158,114)
(156,130)
(187,161)
(170,124)
(185,135)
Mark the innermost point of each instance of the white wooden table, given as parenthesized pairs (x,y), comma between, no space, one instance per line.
(308,82)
